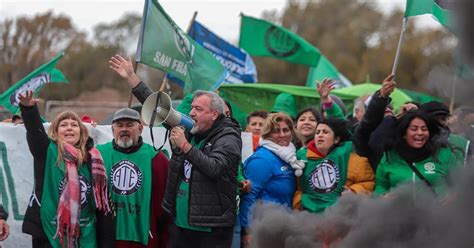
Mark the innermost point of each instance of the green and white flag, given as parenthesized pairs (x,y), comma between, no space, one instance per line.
(163,45)
(35,81)
(440,9)
(262,38)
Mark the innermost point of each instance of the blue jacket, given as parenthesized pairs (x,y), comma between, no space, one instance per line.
(272,179)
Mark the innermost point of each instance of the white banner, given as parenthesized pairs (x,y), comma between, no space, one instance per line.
(16,171)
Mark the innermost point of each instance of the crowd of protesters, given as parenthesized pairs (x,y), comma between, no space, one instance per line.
(126,194)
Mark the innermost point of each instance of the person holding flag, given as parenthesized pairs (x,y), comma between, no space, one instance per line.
(204,164)
(70,205)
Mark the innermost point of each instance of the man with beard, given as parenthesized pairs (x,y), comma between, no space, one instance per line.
(201,187)
(137,175)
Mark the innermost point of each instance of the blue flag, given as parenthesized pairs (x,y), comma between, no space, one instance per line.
(238,63)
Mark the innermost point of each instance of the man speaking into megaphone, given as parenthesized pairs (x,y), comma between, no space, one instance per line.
(201,187)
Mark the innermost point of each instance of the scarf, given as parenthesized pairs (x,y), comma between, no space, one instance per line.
(69,201)
(286,153)
(313,152)
(411,154)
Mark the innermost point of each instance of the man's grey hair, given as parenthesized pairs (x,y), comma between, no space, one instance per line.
(359,103)
(217,103)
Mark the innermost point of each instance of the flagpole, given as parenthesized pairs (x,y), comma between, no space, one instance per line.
(453,94)
(165,79)
(397,54)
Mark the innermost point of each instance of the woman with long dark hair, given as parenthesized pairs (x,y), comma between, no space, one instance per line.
(305,126)
(414,151)
(412,148)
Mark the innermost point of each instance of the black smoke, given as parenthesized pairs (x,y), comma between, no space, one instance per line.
(465,20)
(411,216)
(406,218)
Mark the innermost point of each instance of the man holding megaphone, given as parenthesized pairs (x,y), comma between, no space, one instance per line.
(201,187)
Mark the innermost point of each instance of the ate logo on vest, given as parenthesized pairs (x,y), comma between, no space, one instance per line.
(84,184)
(325,177)
(187,171)
(126,177)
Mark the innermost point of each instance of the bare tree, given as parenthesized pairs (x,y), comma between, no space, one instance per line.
(26,43)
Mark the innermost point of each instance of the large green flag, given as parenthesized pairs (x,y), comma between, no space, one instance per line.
(261,38)
(34,81)
(163,45)
(440,9)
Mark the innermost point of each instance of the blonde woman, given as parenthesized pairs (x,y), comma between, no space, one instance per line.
(271,169)
(70,183)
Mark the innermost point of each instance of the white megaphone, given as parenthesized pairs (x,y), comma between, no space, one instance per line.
(160,104)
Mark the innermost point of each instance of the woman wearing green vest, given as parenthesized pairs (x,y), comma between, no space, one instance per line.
(326,156)
(413,150)
(70,183)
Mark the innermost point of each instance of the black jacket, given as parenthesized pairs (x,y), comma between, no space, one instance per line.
(213,183)
(366,143)
(38,143)
(3,213)
(213,180)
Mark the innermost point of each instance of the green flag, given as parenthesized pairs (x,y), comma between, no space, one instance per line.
(34,81)
(163,45)
(325,69)
(440,9)
(261,38)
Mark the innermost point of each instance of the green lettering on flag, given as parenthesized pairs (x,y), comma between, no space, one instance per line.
(440,9)
(163,45)
(261,38)
(34,81)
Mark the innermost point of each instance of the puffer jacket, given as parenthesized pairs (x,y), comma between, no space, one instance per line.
(213,184)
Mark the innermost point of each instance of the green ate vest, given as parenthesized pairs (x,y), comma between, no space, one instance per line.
(130,178)
(54,184)
(323,179)
(182,197)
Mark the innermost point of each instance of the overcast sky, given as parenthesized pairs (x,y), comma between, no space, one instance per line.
(221,16)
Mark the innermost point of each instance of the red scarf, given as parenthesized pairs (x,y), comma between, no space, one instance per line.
(69,206)
(313,152)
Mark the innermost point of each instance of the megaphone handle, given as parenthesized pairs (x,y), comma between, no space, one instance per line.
(153,139)
(153,114)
